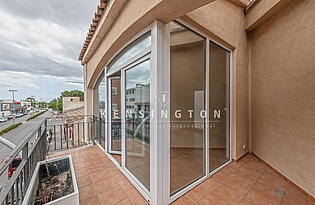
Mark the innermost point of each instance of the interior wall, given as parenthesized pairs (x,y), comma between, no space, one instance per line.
(183,71)
(282,92)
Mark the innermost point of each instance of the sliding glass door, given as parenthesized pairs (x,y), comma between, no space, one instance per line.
(114,142)
(187,87)
(137,122)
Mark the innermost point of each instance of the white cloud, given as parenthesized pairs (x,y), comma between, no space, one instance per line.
(40,42)
(35,38)
(9,80)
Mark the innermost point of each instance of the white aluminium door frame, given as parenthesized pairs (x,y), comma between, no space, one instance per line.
(159,55)
(110,115)
(132,65)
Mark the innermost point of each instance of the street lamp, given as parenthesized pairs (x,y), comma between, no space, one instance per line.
(13,91)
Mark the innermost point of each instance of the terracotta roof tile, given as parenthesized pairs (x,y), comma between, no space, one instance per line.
(98,15)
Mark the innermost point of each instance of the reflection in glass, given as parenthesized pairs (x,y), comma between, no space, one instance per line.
(137,96)
(101,97)
(130,51)
(115,114)
(219,106)
(187,95)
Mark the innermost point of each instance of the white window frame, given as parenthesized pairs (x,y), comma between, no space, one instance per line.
(159,55)
(207,55)
(142,56)
(109,100)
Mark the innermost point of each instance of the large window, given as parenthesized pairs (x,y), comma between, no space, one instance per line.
(190,81)
(132,50)
(100,108)
(128,75)
(187,86)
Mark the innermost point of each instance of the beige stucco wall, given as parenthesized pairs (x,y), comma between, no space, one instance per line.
(70,103)
(214,21)
(282,93)
(133,17)
(225,23)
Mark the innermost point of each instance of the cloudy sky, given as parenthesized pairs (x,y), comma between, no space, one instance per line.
(40,41)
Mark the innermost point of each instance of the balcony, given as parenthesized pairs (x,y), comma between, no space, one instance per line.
(246,182)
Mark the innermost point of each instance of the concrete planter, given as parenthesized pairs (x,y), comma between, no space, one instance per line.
(64,164)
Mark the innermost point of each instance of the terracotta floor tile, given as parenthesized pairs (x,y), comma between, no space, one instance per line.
(96,167)
(221,175)
(248,182)
(293,196)
(100,175)
(112,196)
(81,172)
(83,181)
(183,200)
(249,201)
(90,201)
(135,197)
(124,202)
(232,196)
(86,192)
(197,193)
(80,165)
(105,185)
(232,167)
(264,196)
(237,183)
(212,199)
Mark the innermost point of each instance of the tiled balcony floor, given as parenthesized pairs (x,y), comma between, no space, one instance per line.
(248,182)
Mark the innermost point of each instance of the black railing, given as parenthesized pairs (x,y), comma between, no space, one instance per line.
(70,135)
(30,151)
(44,140)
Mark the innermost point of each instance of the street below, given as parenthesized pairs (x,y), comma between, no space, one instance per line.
(16,136)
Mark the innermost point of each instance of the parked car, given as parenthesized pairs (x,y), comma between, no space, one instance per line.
(13,166)
(3,119)
(19,115)
(11,117)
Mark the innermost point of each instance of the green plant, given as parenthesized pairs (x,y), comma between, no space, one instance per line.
(10,128)
(34,116)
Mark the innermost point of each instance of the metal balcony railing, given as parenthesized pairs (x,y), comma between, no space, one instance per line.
(30,151)
(70,135)
(44,140)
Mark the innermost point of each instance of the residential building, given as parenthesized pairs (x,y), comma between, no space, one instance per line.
(26,105)
(209,81)
(69,103)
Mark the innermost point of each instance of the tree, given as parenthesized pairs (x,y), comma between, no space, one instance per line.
(73,93)
(30,99)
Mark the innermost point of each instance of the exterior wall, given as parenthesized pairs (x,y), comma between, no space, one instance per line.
(262,10)
(282,92)
(228,30)
(133,17)
(70,103)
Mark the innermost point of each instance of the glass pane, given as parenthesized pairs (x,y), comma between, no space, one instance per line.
(115,115)
(130,51)
(219,106)
(138,122)
(101,99)
(187,104)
